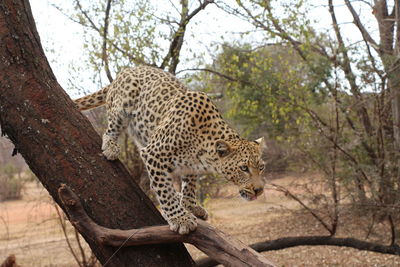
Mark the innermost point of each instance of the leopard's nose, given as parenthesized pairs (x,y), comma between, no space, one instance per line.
(258,191)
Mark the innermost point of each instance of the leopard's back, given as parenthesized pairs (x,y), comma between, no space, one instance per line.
(154,98)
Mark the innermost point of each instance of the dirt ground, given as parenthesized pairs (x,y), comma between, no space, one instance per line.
(29,228)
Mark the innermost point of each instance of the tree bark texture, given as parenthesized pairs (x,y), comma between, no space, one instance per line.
(60,146)
(389,33)
(216,244)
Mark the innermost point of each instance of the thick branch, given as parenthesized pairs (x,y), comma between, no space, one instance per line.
(349,74)
(386,26)
(361,27)
(288,242)
(211,241)
(178,38)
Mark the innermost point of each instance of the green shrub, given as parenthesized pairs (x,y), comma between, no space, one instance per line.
(11,184)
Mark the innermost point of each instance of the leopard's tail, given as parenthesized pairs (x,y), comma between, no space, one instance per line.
(93,100)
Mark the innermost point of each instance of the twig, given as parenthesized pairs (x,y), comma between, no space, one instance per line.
(104,47)
(62,224)
(78,240)
(290,194)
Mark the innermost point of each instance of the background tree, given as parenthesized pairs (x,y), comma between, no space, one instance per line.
(352,135)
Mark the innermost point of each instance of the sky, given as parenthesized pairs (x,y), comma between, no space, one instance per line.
(63,42)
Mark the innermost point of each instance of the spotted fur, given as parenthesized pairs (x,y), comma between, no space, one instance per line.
(180,133)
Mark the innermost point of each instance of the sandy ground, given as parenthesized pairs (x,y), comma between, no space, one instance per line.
(29,229)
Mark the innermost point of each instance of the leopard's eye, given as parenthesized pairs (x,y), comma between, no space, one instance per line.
(244,168)
(262,167)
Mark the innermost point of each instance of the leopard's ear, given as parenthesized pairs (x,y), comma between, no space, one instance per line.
(223,148)
(261,142)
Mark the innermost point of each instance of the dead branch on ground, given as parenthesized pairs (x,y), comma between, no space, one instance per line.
(288,242)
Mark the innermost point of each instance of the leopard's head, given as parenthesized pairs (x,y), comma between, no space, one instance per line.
(240,162)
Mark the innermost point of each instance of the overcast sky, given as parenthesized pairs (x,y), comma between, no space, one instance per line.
(63,42)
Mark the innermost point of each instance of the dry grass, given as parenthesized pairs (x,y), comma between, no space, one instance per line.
(29,229)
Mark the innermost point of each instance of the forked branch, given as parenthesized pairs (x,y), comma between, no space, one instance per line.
(208,239)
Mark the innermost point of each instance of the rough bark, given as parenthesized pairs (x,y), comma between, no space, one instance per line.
(60,146)
(389,33)
(216,244)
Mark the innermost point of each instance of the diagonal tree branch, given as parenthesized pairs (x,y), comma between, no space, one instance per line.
(223,75)
(172,57)
(294,197)
(349,74)
(211,241)
(361,27)
(104,35)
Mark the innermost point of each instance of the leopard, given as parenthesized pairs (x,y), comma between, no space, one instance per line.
(180,135)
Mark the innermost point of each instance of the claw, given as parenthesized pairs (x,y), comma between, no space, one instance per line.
(183,224)
(110,148)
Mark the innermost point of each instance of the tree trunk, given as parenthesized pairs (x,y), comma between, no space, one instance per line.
(389,32)
(60,146)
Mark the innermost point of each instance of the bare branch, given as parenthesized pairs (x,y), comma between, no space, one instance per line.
(349,74)
(64,230)
(216,244)
(223,75)
(80,247)
(172,57)
(104,47)
(78,4)
(294,197)
(93,26)
(288,242)
(361,27)
(198,9)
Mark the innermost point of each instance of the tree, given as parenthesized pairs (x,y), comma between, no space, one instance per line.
(268,87)
(46,128)
(351,135)
(41,121)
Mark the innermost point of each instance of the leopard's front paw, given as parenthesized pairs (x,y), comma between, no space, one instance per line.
(183,224)
(199,212)
(110,148)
